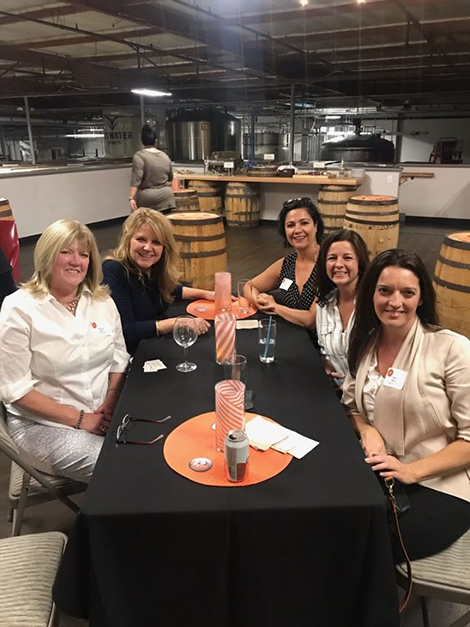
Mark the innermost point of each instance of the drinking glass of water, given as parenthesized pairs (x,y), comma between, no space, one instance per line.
(185,334)
(267,340)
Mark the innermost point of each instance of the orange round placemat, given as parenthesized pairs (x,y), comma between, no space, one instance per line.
(206,309)
(196,438)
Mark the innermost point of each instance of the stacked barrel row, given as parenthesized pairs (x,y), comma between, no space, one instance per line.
(375,218)
(242,202)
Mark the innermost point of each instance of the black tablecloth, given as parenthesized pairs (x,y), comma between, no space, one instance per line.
(308,547)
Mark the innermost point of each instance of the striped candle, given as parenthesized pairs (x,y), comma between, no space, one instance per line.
(229,409)
(225,325)
(223,291)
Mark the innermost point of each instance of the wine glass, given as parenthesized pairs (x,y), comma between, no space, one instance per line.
(185,334)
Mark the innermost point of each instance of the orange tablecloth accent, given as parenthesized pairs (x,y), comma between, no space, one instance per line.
(196,438)
(206,309)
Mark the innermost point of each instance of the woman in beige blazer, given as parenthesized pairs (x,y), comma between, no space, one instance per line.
(408,398)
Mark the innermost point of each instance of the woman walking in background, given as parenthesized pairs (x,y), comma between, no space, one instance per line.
(151,176)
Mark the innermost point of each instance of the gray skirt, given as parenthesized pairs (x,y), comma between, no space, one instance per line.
(70,453)
(158,198)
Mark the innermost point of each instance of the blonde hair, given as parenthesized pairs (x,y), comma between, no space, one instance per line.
(55,238)
(165,272)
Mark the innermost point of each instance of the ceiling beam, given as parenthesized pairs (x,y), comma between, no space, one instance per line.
(417,24)
(308,13)
(221,39)
(54,13)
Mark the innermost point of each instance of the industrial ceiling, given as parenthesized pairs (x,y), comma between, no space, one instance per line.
(403,54)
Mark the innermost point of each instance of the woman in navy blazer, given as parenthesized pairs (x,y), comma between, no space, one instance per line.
(142,274)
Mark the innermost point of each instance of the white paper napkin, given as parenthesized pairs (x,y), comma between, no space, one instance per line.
(247,324)
(295,444)
(263,434)
(154,365)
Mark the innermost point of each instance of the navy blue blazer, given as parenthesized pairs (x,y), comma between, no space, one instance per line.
(138,300)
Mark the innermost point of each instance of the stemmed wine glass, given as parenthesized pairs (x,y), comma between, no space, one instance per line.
(185,334)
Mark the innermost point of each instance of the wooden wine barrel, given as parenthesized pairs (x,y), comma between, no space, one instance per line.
(242,207)
(452,283)
(9,240)
(186,200)
(209,194)
(332,201)
(202,248)
(376,219)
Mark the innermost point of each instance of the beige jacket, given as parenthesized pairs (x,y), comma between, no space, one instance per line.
(433,408)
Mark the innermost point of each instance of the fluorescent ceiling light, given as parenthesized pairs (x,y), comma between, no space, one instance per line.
(150,92)
(333,117)
(80,135)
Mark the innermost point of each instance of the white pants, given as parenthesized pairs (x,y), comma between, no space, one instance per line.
(70,453)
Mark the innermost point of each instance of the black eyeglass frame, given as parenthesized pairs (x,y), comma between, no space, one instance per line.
(128,419)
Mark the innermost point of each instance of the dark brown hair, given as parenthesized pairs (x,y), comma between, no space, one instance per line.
(367,326)
(300,203)
(324,283)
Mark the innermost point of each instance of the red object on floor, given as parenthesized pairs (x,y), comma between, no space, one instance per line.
(9,237)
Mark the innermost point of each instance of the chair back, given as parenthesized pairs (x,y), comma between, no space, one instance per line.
(6,443)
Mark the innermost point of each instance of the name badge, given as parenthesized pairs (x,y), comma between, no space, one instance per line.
(395,378)
(100,329)
(286,283)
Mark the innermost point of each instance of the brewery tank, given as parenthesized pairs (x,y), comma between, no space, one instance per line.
(276,144)
(195,135)
(359,148)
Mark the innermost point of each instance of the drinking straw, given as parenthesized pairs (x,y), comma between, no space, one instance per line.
(267,337)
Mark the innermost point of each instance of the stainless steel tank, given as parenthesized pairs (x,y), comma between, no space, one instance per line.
(276,144)
(195,135)
(359,149)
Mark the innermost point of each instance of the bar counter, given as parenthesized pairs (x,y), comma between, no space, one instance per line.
(302,179)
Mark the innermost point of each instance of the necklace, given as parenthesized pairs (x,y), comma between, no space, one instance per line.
(72,306)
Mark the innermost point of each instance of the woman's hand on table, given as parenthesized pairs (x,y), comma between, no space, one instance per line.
(209,295)
(390,467)
(97,422)
(372,442)
(266,303)
(166,325)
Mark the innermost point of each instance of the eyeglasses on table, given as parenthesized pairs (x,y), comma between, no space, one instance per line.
(121,437)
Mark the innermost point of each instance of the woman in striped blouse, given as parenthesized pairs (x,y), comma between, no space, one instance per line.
(342,261)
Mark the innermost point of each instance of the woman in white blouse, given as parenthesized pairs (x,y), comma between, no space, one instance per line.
(408,398)
(62,355)
(341,265)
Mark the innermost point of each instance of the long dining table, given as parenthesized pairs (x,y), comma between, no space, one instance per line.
(307,547)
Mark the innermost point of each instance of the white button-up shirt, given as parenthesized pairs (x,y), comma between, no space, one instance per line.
(65,357)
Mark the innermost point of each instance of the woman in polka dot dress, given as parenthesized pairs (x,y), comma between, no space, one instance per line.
(301,225)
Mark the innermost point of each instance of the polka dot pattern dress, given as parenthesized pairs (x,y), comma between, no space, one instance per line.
(291,297)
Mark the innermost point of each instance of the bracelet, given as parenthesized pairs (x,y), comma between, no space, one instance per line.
(80,418)
(117,389)
(131,198)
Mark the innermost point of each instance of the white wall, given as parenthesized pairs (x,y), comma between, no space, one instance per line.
(447,195)
(419,148)
(88,196)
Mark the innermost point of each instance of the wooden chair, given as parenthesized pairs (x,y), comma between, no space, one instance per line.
(445,576)
(28,567)
(29,486)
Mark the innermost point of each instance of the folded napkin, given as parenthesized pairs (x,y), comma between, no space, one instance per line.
(247,324)
(263,434)
(154,365)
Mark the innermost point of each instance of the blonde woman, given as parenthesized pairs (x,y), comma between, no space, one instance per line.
(143,277)
(62,355)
